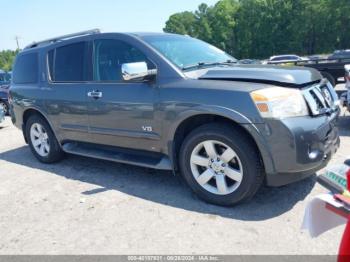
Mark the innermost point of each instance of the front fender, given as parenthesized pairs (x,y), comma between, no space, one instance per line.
(230,114)
(205,110)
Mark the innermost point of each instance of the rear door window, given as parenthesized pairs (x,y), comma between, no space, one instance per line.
(26,69)
(69,63)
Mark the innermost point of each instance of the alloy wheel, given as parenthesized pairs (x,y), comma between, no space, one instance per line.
(216,167)
(40,139)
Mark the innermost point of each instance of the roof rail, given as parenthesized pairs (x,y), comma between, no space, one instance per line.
(63,37)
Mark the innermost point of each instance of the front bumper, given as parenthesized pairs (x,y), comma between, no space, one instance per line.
(295,148)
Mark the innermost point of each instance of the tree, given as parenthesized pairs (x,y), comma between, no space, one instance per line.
(181,23)
(7,58)
(223,24)
(202,23)
(261,28)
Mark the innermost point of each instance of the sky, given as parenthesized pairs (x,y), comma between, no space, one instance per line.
(34,20)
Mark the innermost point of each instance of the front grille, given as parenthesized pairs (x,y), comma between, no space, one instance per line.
(319,104)
(321,98)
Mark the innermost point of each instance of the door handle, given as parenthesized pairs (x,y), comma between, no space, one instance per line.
(95,94)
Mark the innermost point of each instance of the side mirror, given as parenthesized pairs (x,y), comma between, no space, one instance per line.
(136,71)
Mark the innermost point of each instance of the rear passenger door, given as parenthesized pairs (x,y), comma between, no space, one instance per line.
(70,67)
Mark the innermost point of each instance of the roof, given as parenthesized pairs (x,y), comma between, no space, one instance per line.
(142,34)
(86,33)
(63,37)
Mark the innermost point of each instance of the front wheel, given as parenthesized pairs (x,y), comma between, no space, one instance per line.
(221,164)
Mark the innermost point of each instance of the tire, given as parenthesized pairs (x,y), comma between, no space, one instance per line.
(44,135)
(246,161)
(5,106)
(330,78)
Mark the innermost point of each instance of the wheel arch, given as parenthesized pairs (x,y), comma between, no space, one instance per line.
(189,123)
(34,111)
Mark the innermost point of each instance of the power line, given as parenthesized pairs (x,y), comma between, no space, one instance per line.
(17,42)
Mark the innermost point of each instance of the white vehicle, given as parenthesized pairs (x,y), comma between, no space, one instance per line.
(278,59)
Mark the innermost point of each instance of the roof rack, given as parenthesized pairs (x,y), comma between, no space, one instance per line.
(63,37)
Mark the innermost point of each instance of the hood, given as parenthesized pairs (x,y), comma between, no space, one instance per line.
(278,75)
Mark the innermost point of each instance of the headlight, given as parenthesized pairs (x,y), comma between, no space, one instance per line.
(279,102)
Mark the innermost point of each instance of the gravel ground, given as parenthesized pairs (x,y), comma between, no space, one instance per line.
(88,206)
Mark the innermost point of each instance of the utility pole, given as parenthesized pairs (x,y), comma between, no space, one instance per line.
(17,42)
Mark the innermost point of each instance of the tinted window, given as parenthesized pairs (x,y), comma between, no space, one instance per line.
(109,57)
(69,63)
(26,69)
(276,59)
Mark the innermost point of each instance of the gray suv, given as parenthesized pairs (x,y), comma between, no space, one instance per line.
(172,102)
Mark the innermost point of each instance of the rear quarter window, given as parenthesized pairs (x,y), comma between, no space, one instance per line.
(26,69)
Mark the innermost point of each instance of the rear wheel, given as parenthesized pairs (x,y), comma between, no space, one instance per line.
(42,140)
(221,165)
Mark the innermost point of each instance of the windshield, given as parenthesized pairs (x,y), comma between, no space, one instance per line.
(184,51)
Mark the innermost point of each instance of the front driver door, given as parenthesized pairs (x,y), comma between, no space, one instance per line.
(121,113)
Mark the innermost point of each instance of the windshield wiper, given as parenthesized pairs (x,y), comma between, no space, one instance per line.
(206,64)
